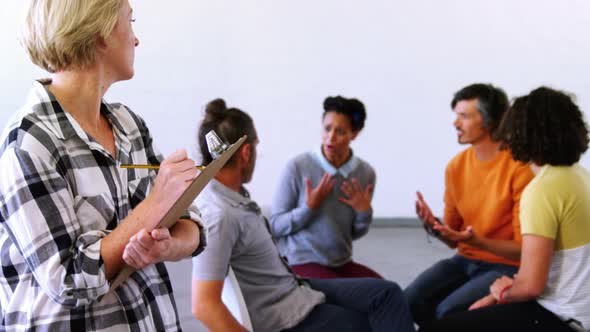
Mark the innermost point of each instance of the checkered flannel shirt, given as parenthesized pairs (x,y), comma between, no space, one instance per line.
(60,194)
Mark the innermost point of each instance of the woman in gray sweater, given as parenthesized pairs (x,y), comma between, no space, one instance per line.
(323,201)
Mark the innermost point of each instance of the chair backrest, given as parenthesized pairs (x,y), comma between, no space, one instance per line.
(234,300)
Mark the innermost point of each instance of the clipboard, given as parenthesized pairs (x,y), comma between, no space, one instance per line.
(185,200)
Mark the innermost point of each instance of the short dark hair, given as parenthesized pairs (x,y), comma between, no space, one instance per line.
(492,103)
(545,127)
(229,123)
(351,107)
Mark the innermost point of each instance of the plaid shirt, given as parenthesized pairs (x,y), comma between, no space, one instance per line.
(60,194)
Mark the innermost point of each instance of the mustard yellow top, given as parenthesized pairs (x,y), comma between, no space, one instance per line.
(556,205)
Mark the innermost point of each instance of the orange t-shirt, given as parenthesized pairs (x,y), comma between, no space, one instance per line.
(486,196)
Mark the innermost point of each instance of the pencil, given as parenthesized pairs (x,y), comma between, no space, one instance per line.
(151,166)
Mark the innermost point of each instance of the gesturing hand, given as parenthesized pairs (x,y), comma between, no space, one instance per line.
(315,196)
(356,197)
(453,235)
(146,248)
(423,210)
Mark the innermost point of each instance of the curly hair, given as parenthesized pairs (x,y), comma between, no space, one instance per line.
(545,127)
(351,107)
(229,123)
(492,103)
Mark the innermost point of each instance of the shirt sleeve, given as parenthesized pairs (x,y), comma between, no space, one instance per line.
(194,214)
(47,225)
(452,217)
(286,216)
(222,234)
(538,214)
(522,177)
(363,220)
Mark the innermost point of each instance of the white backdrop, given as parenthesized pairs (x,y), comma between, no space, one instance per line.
(279,59)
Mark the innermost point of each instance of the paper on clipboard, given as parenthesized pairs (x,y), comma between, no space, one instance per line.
(185,200)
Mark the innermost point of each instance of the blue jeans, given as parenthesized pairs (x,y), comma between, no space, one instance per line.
(363,304)
(452,285)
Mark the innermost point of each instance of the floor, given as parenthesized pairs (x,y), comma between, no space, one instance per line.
(397,253)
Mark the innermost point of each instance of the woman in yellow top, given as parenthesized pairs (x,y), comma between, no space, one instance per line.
(551,290)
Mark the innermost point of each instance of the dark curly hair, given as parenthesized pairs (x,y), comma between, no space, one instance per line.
(545,127)
(492,103)
(351,107)
(229,123)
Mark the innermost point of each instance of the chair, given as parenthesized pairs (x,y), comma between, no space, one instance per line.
(233,299)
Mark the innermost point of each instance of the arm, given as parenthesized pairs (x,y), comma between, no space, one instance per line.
(194,215)
(162,244)
(360,200)
(210,269)
(187,235)
(508,248)
(53,230)
(183,239)
(540,226)
(40,216)
(361,223)
(175,175)
(286,216)
(182,235)
(505,248)
(531,280)
(209,309)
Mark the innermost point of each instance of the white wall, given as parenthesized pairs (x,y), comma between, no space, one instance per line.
(278,60)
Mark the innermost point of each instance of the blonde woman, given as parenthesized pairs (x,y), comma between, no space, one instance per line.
(71,217)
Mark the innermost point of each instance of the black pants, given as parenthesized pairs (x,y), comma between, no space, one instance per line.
(524,316)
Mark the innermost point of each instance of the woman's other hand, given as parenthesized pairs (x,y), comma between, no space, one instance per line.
(355,196)
(485,301)
(315,196)
(146,248)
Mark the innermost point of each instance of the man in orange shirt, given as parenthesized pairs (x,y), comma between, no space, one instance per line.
(482,195)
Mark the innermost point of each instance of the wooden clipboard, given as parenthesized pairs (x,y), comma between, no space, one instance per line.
(185,200)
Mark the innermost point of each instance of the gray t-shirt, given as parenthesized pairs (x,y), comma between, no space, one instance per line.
(323,235)
(237,235)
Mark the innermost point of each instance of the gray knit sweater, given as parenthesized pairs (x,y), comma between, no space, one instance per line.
(323,235)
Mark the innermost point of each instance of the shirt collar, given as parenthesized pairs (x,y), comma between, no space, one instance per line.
(61,123)
(235,199)
(344,170)
(64,126)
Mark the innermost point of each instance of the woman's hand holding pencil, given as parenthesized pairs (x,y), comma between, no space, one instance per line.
(199,167)
(175,174)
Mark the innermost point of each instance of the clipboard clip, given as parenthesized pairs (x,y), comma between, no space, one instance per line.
(215,145)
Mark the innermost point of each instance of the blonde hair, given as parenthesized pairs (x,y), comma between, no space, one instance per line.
(61,34)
